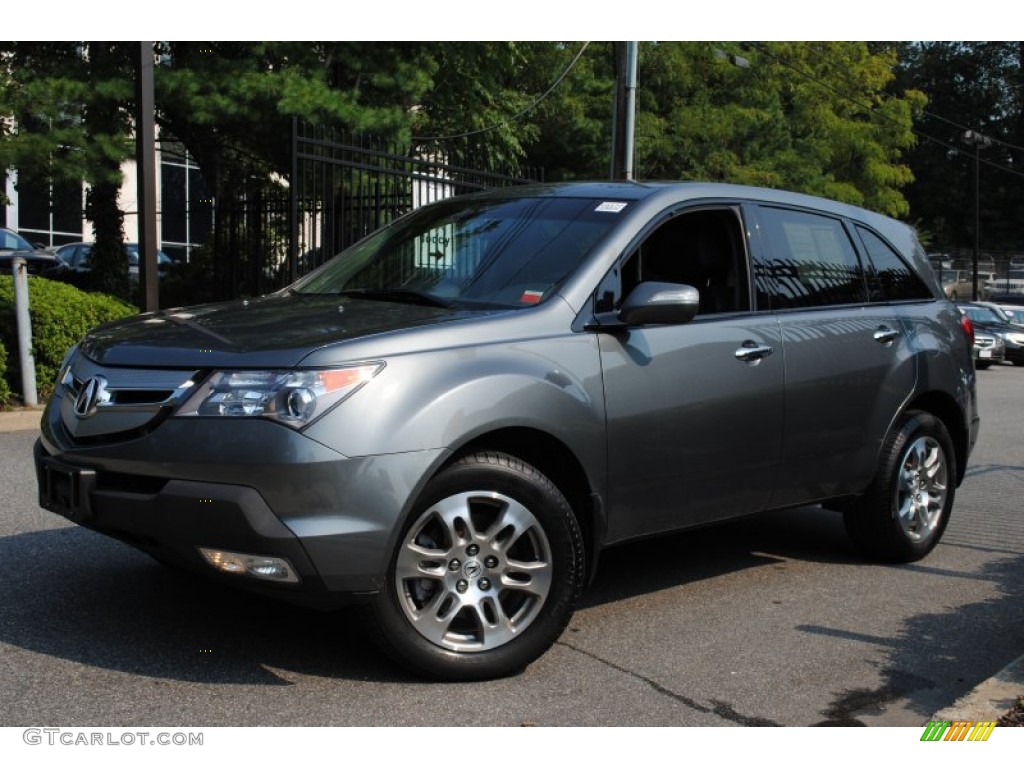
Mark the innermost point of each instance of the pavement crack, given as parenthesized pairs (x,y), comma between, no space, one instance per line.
(722,709)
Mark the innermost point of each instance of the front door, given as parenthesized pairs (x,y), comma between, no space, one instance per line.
(694,411)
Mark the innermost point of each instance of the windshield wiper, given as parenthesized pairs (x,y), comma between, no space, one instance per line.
(401,295)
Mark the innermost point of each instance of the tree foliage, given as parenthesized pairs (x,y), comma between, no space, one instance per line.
(975,86)
(814,117)
(71,109)
(824,118)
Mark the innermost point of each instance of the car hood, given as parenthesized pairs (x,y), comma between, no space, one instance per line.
(274,331)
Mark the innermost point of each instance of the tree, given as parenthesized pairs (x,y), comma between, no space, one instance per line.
(70,104)
(813,117)
(970,86)
(817,117)
(231,105)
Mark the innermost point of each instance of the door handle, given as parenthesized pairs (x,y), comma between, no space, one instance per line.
(752,352)
(885,335)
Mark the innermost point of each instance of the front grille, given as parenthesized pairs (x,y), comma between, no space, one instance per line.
(101,403)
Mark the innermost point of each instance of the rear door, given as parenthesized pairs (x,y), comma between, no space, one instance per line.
(849,360)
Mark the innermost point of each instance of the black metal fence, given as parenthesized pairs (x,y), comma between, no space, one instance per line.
(268,230)
(347,186)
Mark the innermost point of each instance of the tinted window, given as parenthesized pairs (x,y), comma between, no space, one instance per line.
(889,278)
(808,261)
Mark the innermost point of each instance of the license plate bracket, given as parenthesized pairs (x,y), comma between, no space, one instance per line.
(65,490)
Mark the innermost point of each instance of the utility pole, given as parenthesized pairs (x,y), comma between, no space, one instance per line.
(624,114)
(980,142)
(145,158)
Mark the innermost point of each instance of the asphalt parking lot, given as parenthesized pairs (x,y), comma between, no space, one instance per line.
(766,621)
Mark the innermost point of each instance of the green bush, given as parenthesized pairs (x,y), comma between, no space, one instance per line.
(61,315)
(5,392)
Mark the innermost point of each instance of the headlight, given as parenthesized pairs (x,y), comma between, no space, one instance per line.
(294,398)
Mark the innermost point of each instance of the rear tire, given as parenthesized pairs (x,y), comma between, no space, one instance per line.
(906,508)
(485,575)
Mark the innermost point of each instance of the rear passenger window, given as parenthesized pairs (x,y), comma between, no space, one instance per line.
(808,261)
(889,278)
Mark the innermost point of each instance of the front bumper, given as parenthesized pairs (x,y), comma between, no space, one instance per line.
(248,486)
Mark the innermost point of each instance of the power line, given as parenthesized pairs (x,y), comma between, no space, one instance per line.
(957,125)
(519,114)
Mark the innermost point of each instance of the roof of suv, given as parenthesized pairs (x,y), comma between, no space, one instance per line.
(680,191)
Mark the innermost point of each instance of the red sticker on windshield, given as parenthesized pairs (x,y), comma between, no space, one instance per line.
(531,297)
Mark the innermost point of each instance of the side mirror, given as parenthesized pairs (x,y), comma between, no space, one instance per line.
(660,304)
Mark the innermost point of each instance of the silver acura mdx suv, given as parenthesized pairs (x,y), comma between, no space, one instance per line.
(451,419)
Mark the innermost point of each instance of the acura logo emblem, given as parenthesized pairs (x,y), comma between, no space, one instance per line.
(94,393)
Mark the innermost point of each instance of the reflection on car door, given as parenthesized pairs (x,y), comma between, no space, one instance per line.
(849,361)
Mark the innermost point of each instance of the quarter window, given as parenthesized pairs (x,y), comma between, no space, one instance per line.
(889,278)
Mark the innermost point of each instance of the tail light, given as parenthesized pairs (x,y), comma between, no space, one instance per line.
(968,327)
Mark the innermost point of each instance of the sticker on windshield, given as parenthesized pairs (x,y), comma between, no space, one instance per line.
(610,207)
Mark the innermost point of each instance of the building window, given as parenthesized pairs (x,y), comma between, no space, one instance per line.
(50,214)
(186,207)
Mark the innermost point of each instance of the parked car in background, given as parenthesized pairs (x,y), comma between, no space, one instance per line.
(958,284)
(75,261)
(1014,313)
(450,420)
(1008,313)
(988,349)
(1009,289)
(12,244)
(987,320)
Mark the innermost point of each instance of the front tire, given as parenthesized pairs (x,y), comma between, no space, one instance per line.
(906,508)
(485,575)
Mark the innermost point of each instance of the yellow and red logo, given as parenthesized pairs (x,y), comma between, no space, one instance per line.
(958,730)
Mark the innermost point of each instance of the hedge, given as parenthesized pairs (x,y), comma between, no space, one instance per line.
(5,391)
(61,315)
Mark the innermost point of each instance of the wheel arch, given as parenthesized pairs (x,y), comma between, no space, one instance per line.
(945,408)
(561,466)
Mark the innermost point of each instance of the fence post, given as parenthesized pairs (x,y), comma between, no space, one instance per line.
(28,364)
(293,207)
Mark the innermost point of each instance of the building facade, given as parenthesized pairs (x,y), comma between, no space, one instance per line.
(52,214)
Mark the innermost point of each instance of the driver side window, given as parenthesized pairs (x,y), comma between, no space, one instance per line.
(703,249)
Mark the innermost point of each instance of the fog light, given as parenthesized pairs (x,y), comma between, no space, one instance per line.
(257,566)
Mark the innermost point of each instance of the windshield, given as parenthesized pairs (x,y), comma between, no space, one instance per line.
(12,241)
(481,252)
